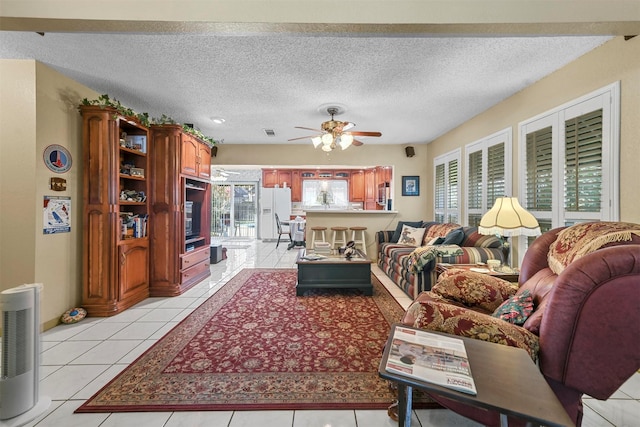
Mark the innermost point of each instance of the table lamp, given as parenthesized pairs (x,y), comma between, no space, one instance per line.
(508,218)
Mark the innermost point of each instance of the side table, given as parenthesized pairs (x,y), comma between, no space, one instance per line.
(506,380)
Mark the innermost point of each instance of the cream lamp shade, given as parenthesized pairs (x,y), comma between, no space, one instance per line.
(508,218)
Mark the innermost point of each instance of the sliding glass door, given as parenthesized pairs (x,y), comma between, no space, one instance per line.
(234,210)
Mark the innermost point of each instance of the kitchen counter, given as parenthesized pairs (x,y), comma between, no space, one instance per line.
(374,220)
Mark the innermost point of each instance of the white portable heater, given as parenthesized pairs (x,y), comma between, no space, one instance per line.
(19,395)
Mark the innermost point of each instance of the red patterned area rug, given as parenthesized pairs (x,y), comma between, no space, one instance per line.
(254,345)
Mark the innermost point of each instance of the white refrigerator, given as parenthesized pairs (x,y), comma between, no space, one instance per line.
(273,201)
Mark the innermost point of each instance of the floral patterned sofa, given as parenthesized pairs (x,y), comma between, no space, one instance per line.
(575,312)
(412,267)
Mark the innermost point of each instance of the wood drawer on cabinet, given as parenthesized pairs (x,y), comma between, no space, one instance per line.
(193,258)
(198,270)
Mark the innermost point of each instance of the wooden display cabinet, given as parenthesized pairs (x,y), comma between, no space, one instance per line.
(178,261)
(195,157)
(115,211)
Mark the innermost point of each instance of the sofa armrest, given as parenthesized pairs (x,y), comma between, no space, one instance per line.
(474,255)
(383,236)
(601,291)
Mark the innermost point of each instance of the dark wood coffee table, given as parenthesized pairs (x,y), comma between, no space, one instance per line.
(334,272)
(506,379)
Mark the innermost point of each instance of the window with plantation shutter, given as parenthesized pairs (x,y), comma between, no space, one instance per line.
(583,163)
(446,187)
(496,173)
(539,170)
(474,180)
(439,193)
(487,176)
(570,160)
(452,191)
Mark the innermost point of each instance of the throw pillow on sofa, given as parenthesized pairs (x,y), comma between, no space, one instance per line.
(450,319)
(398,231)
(454,237)
(473,289)
(516,309)
(411,236)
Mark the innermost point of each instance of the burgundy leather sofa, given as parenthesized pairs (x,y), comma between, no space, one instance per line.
(584,331)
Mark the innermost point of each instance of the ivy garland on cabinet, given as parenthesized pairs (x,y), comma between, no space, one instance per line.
(105,101)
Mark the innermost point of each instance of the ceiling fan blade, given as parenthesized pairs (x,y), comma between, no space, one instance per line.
(360,133)
(315,130)
(302,137)
(357,143)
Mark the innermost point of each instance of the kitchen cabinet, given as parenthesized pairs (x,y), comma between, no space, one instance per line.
(356,186)
(284,178)
(296,186)
(269,178)
(383,174)
(280,177)
(370,187)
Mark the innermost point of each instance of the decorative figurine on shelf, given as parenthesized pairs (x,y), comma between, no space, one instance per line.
(350,249)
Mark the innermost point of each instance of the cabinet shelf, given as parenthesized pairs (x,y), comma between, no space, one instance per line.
(135,178)
(128,203)
(194,240)
(194,187)
(132,151)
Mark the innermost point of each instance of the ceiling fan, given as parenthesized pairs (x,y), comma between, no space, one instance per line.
(219,174)
(334,133)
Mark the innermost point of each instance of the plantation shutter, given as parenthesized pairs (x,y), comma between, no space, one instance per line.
(439,190)
(495,173)
(539,174)
(439,193)
(583,163)
(474,193)
(452,192)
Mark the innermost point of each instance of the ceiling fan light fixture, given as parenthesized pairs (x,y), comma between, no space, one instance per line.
(327,148)
(316,140)
(327,139)
(345,140)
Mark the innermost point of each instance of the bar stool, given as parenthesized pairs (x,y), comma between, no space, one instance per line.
(357,235)
(339,237)
(317,233)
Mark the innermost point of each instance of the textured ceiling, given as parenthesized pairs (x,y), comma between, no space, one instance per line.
(412,89)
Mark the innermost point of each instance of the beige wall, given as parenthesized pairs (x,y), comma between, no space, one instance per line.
(613,61)
(17,173)
(43,113)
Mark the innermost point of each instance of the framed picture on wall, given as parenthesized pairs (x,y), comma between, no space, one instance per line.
(410,185)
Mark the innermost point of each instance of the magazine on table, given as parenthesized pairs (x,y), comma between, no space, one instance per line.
(431,358)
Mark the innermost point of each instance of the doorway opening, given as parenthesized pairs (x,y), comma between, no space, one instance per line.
(234,210)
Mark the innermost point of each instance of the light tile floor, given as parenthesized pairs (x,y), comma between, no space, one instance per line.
(79,359)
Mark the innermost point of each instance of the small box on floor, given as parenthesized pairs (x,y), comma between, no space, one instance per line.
(215,253)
